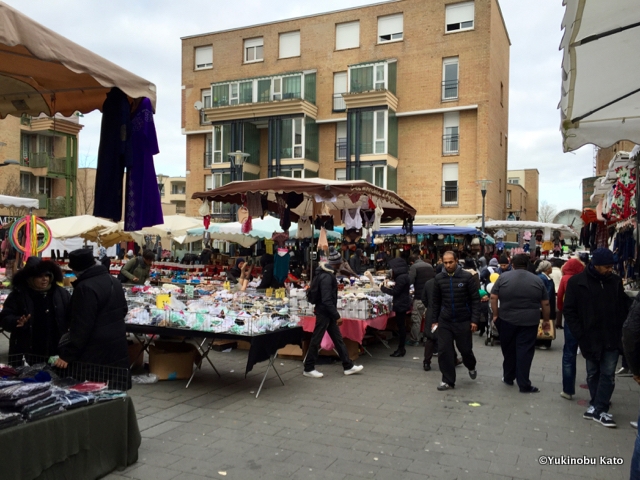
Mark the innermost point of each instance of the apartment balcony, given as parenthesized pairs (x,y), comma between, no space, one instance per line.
(371,98)
(339,104)
(47,164)
(288,105)
(181,210)
(451,144)
(52,207)
(450,196)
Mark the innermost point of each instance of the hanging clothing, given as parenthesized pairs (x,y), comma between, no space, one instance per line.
(254,204)
(323,243)
(281,266)
(351,218)
(114,154)
(304,228)
(280,238)
(376,223)
(143,207)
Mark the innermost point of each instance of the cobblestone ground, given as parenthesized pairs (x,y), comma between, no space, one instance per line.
(387,423)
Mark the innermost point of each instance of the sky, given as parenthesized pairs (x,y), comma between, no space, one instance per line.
(143,36)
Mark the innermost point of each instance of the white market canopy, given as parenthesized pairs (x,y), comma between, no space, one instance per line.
(19,202)
(44,72)
(84,226)
(600,101)
(518,226)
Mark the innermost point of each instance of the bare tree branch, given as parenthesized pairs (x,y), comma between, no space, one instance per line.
(85,188)
(547,212)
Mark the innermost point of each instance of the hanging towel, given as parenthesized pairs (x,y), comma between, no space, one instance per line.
(323,243)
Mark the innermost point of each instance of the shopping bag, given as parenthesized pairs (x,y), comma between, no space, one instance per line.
(548,332)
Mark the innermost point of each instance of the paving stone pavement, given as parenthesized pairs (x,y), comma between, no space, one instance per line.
(389,422)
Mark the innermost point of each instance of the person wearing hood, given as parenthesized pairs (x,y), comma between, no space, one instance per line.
(485,275)
(268,280)
(325,285)
(36,310)
(543,271)
(570,349)
(504,264)
(456,304)
(103,258)
(240,271)
(595,308)
(97,333)
(401,293)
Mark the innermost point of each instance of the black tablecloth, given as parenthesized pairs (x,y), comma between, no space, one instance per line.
(86,443)
(263,345)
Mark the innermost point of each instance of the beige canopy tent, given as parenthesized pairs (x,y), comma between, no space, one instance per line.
(44,72)
(84,226)
(19,202)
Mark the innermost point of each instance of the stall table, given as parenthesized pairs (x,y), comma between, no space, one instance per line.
(264,346)
(85,443)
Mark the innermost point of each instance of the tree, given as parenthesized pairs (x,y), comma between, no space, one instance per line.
(12,188)
(85,187)
(547,212)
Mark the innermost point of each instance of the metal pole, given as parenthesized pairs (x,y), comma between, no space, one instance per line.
(484,194)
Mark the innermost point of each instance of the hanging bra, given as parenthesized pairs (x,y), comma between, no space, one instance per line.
(352,218)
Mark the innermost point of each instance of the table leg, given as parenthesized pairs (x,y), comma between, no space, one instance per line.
(145,340)
(205,354)
(366,351)
(271,360)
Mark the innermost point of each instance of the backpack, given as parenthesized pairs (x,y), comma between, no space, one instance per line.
(124,279)
(313,293)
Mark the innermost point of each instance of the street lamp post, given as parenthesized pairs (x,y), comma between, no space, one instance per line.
(483,184)
(237,159)
(161,178)
(8,162)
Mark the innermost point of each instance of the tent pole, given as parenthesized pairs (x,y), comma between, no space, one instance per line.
(313,234)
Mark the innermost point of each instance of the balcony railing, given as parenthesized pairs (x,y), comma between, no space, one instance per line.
(56,165)
(449,195)
(341,149)
(450,89)
(450,144)
(208,159)
(181,210)
(178,191)
(339,104)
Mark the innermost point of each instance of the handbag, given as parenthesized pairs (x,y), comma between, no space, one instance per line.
(548,333)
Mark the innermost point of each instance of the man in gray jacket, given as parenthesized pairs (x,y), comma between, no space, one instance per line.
(420,273)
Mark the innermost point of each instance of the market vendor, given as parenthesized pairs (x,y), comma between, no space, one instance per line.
(241,270)
(138,269)
(268,280)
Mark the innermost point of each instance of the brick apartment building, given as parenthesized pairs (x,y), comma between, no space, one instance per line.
(522,194)
(411,95)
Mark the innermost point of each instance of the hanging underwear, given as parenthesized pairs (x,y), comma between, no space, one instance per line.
(352,218)
(280,238)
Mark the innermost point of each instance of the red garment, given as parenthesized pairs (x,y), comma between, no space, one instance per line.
(571,268)
(206,221)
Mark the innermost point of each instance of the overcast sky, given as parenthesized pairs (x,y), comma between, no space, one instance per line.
(143,36)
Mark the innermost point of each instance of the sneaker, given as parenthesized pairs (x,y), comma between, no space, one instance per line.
(634,425)
(605,419)
(354,369)
(444,386)
(623,372)
(590,413)
(531,389)
(313,374)
(473,374)
(426,366)
(543,347)
(435,354)
(507,383)
(566,395)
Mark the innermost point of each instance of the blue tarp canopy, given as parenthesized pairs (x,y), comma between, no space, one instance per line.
(431,229)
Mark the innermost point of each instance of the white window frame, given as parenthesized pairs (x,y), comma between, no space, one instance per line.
(451,126)
(338,89)
(208,149)
(447,176)
(341,173)
(377,140)
(508,199)
(348,35)
(380,84)
(341,127)
(204,50)
(276,93)
(216,150)
(206,94)
(295,145)
(446,62)
(289,50)
(513,180)
(29,178)
(455,18)
(253,46)
(299,171)
(234,98)
(384,175)
(395,32)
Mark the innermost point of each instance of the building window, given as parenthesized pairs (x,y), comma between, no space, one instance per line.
(450,184)
(26,180)
(459,16)
(208,148)
(379,176)
(339,87)
(290,44)
(218,143)
(347,35)
(341,174)
(373,132)
(390,28)
(253,50)
(341,141)
(380,129)
(513,180)
(450,138)
(297,137)
(500,138)
(450,75)
(178,188)
(206,98)
(501,94)
(204,57)
(508,198)
(293,173)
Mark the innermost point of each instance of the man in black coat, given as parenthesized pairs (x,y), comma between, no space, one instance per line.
(631,344)
(595,308)
(97,334)
(456,312)
(401,293)
(420,272)
(327,318)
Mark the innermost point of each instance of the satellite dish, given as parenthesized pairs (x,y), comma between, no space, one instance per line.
(570,217)
(198,105)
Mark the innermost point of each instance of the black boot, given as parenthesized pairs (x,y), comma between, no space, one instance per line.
(398,353)
(426,366)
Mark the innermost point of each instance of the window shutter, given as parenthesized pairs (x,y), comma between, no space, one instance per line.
(347,35)
(450,172)
(340,82)
(460,12)
(390,24)
(204,57)
(451,119)
(253,42)
(290,44)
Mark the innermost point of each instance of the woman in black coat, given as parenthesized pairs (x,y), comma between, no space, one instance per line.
(268,280)
(36,310)
(402,300)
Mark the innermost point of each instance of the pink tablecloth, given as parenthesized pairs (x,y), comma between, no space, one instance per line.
(351,328)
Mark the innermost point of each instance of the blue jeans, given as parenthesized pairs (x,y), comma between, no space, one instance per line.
(569,353)
(601,379)
(635,460)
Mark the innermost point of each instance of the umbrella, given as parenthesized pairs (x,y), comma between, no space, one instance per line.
(173,226)
(600,101)
(43,71)
(335,194)
(19,202)
(85,226)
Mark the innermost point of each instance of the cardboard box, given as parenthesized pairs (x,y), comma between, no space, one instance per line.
(222,345)
(243,345)
(172,361)
(292,352)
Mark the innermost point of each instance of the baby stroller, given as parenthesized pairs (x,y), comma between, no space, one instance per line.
(492,332)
